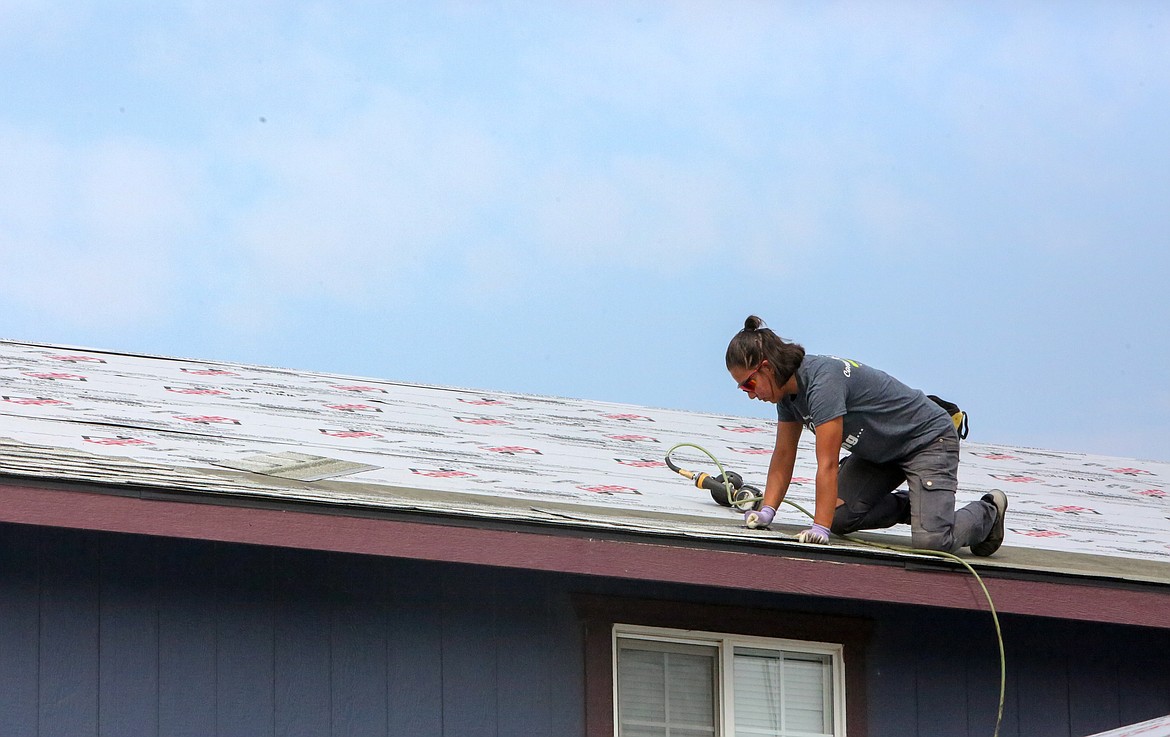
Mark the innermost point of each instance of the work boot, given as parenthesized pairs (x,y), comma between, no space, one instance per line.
(995,537)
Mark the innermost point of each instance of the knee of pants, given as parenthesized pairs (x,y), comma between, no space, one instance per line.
(942,541)
(845,520)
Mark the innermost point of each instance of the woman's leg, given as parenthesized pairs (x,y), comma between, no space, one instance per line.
(864,498)
(933,477)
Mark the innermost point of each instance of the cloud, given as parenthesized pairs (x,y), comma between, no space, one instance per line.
(348,210)
(440,148)
(39,24)
(640,212)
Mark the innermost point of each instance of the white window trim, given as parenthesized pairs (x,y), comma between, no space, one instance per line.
(727,643)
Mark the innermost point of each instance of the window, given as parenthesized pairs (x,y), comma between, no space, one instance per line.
(674,683)
(671,668)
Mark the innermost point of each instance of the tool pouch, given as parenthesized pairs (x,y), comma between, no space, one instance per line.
(958,416)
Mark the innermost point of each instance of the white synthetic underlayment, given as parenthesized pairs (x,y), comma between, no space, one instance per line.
(152,412)
(1159,727)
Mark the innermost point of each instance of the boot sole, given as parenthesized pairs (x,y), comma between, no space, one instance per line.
(995,537)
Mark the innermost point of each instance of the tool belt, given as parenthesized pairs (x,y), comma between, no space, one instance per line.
(958,416)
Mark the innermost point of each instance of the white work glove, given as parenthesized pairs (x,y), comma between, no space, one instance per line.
(761,517)
(817,534)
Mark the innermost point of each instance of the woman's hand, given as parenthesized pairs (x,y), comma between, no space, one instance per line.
(757,518)
(816,534)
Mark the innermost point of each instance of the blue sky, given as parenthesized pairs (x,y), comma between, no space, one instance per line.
(586,199)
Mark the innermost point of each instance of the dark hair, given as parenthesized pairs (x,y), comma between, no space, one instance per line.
(756,343)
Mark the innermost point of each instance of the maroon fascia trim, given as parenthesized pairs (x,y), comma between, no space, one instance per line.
(599,614)
(829,576)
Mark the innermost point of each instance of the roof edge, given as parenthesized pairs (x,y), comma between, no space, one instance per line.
(540,550)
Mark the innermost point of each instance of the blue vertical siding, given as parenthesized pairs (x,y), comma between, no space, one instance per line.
(415,631)
(940,675)
(110,635)
(128,637)
(1143,693)
(303,648)
(469,661)
(891,691)
(522,640)
(245,637)
(68,635)
(1040,671)
(19,630)
(358,643)
(187,644)
(978,660)
(1094,698)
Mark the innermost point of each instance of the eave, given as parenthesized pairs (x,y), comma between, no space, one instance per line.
(793,569)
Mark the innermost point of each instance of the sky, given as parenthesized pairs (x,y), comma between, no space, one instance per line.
(586,199)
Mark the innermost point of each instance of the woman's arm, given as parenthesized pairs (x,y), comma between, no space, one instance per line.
(828,460)
(782,463)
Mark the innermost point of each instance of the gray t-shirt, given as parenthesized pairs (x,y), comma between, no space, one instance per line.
(883,418)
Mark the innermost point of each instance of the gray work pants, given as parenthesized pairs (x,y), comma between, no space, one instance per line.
(932,475)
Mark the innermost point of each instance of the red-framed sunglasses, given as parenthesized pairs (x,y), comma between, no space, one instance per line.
(749,384)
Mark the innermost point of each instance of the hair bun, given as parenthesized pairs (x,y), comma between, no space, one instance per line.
(752,323)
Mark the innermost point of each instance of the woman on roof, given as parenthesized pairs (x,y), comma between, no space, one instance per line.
(893,433)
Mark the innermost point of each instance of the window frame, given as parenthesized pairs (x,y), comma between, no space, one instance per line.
(602,616)
(725,645)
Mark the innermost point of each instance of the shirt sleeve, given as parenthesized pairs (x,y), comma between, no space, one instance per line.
(827,391)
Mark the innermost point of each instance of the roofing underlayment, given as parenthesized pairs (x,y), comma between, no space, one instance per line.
(232,430)
(1159,727)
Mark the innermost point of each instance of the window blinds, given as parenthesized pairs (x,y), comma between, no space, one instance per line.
(666,690)
(671,689)
(779,694)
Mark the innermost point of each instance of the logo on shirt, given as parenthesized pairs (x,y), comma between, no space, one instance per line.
(849,365)
(852,440)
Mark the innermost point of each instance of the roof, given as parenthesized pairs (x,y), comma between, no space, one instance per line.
(1159,727)
(250,437)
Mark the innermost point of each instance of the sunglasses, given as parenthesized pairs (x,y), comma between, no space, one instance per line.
(749,384)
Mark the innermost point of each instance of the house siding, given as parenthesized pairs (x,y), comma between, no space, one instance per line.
(112,634)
